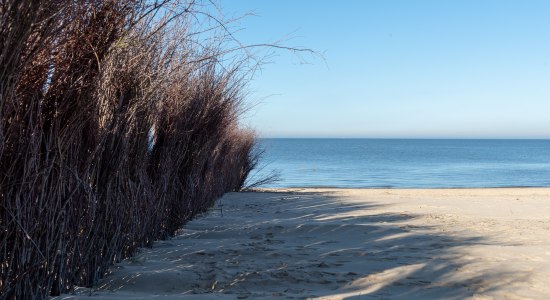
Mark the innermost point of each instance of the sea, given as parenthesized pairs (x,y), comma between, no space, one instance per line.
(405,163)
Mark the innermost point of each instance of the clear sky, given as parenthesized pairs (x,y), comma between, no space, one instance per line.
(478,69)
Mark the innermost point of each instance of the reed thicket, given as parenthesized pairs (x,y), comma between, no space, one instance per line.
(118,123)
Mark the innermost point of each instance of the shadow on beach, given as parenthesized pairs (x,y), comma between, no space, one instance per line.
(304,245)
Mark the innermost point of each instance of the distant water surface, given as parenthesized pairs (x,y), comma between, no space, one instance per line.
(407,163)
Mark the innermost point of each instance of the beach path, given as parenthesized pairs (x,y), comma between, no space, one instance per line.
(349,244)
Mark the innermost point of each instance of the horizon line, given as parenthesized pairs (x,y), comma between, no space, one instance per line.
(405,138)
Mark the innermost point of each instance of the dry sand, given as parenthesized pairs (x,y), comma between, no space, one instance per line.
(350,244)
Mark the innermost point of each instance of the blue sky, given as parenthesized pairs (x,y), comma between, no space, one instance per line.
(426,69)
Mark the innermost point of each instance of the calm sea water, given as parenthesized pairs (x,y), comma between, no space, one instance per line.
(407,163)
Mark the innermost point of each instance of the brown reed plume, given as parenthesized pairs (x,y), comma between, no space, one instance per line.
(118,123)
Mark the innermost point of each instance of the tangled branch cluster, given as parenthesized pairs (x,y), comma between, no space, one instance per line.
(118,123)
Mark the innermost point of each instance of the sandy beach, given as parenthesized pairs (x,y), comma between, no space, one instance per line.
(350,244)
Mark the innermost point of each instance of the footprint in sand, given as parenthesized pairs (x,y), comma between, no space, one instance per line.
(323,265)
(270,241)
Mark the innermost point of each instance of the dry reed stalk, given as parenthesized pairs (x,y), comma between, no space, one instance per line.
(115,129)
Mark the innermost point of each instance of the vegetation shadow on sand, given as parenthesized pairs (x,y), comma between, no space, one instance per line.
(308,245)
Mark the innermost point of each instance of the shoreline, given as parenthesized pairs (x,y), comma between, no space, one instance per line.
(275,189)
(350,243)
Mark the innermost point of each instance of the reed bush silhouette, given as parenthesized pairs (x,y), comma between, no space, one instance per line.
(118,123)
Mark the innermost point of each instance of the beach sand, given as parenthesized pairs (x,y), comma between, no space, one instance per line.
(350,244)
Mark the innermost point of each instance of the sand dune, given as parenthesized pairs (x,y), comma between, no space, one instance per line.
(350,244)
